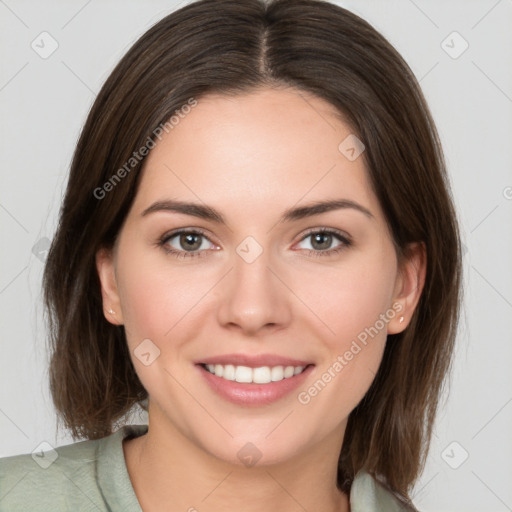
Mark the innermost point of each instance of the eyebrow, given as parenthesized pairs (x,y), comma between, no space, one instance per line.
(301,212)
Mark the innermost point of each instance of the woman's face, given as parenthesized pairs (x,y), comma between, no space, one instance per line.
(255,287)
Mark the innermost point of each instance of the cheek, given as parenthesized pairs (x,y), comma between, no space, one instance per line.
(145,302)
(159,304)
(155,296)
(350,299)
(355,304)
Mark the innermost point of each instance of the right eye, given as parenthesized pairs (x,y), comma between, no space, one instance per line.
(185,243)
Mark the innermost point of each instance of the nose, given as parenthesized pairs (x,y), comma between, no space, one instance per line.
(253,297)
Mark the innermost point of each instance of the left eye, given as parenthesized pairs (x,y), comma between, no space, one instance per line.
(323,240)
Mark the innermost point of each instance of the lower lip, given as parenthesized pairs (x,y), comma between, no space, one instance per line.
(253,394)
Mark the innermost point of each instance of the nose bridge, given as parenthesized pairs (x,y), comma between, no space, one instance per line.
(253,297)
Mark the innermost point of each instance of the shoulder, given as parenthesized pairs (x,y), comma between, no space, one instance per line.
(45,480)
(368,495)
(64,478)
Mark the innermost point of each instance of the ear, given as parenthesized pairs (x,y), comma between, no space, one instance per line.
(109,293)
(408,286)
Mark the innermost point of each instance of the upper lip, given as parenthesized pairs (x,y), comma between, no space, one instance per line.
(254,361)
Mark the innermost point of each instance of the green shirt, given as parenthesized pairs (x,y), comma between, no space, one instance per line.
(92,476)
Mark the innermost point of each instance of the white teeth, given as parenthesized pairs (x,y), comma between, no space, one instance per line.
(260,375)
(219,370)
(243,374)
(288,372)
(298,369)
(277,373)
(228,373)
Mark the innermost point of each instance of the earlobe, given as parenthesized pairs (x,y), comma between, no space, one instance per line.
(109,293)
(409,286)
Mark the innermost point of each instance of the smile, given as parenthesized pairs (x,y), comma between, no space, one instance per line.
(254,381)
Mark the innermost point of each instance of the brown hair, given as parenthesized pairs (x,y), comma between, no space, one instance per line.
(233,47)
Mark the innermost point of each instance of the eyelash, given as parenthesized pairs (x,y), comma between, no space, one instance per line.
(341,236)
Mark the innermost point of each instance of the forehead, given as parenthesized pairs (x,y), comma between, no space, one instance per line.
(254,150)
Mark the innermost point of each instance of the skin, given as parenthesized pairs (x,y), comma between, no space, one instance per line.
(251,157)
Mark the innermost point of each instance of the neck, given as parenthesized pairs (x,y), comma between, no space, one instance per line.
(166,467)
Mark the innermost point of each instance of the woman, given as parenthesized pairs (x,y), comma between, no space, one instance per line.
(250,247)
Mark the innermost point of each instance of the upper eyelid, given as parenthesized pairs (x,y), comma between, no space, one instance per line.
(338,232)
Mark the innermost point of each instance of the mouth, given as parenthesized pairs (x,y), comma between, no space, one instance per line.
(254,381)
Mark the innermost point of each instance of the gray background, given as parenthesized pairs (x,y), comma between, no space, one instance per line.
(44,102)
